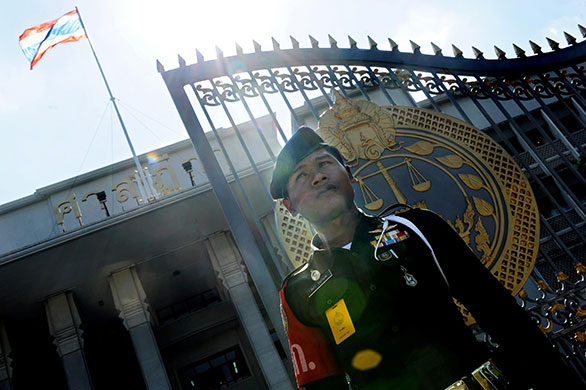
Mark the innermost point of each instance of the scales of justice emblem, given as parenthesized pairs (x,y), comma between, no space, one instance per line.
(423,158)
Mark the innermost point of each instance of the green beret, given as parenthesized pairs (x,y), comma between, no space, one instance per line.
(301,144)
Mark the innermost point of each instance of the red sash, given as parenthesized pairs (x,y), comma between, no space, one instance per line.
(312,356)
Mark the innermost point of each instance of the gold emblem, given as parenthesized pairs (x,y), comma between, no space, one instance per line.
(424,158)
(358,129)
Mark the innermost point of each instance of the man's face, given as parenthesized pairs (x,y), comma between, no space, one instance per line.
(320,188)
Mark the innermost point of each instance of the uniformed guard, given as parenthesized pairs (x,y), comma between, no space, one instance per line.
(373,307)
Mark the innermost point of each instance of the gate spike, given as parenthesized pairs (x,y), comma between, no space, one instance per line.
(199,56)
(352,42)
(570,39)
(436,49)
(160,67)
(219,53)
(276,45)
(477,53)
(457,52)
(371,43)
(180,60)
(415,47)
(294,42)
(314,42)
(500,53)
(394,46)
(239,51)
(553,44)
(520,53)
(582,30)
(256,46)
(333,42)
(535,47)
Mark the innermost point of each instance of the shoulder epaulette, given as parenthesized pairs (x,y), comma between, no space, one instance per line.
(388,210)
(295,272)
(405,209)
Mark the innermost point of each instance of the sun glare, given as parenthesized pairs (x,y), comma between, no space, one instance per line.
(180,27)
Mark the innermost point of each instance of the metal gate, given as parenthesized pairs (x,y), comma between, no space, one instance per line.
(534,106)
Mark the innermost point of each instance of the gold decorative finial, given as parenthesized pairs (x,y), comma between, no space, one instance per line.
(542,285)
(457,52)
(555,307)
(580,313)
(580,336)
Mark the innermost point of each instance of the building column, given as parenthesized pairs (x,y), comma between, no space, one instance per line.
(5,369)
(228,264)
(130,300)
(268,222)
(64,326)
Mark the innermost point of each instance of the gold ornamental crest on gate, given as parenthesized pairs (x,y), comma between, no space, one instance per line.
(358,129)
(424,158)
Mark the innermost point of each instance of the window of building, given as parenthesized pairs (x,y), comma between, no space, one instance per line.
(516,145)
(544,204)
(189,305)
(571,123)
(215,372)
(535,137)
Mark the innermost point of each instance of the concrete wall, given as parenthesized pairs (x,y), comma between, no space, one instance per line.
(36,218)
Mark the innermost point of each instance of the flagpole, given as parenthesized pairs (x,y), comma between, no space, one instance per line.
(142,177)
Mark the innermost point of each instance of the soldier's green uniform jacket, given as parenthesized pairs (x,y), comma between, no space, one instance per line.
(407,332)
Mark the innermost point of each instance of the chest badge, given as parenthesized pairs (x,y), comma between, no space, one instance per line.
(340,321)
(388,255)
(390,237)
(409,279)
(315,274)
(319,281)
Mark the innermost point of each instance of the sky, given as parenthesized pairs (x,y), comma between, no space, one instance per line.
(57,122)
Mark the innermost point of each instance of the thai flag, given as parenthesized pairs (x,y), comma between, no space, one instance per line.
(35,41)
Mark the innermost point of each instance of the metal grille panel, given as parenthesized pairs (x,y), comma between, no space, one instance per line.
(533,106)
